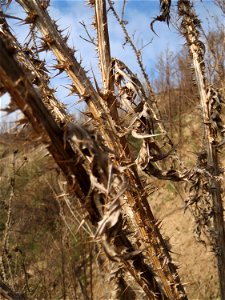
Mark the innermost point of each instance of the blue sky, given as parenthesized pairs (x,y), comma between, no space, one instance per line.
(139,14)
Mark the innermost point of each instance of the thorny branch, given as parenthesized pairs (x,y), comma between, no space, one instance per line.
(22,91)
(104,53)
(211,101)
(150,98)
(100,166)
(87,144)
(38,73)
(53,40)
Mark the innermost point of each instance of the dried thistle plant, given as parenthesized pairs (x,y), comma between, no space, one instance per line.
(211,102)
(100,168)
(95,163)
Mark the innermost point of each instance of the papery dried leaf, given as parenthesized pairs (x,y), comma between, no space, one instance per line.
(144,156)
(96,185)
(172,175)
(112,215)
(165,13)
(77,134)
(131,255)
(12,107)
(110,219)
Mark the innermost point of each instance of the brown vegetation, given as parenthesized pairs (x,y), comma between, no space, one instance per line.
(85,222)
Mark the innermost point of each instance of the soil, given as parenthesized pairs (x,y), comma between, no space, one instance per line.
(197,265)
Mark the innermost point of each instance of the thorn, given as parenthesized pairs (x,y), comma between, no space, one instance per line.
(11,17)
(95,81)
(31,18)
(152,28)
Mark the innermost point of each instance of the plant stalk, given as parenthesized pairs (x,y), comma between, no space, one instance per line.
(189,28)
